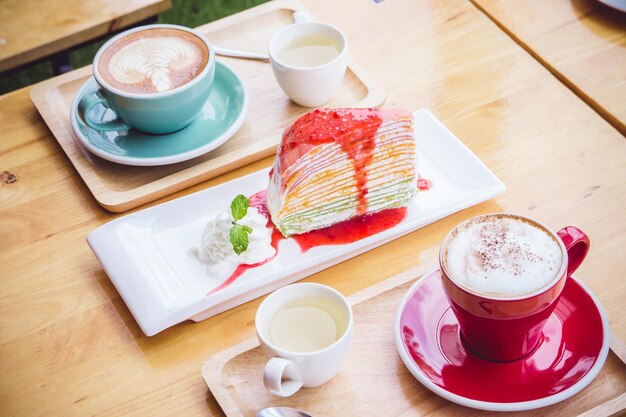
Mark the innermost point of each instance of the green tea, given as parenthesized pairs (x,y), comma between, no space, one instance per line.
(309,51)
(308,324)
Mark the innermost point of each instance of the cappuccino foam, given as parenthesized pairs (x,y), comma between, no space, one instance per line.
(502,255)
(153,60)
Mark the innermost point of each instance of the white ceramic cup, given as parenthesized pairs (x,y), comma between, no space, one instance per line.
(286,372)
(309,86)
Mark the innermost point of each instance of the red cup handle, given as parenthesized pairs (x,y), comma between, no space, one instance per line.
(577,245)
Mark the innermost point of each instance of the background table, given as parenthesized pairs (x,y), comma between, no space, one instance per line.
(68,344)
(35,29)
(583,42)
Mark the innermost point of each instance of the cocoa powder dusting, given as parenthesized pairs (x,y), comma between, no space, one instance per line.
(494,247)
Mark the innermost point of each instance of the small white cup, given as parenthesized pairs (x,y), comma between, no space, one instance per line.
(309,86)
(286,372)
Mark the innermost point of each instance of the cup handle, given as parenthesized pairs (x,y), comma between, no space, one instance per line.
(301,17)
(88,102)
(281,377)
(577,245)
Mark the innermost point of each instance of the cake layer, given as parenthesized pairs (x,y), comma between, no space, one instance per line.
(334,164)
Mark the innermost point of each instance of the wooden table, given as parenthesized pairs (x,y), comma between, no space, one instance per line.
(33,29)
(68,344)
(582,42)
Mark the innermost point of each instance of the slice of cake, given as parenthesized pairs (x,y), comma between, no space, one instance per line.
(334,164)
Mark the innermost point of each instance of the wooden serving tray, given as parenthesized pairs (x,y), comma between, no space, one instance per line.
(121,187)
(375,382)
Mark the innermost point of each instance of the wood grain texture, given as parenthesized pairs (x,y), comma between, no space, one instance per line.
(582,42)
(614,407)
(119,187)
(374,381)
(34,29)
(68,344)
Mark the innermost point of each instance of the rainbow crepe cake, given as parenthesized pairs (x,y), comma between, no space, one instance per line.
(335,164)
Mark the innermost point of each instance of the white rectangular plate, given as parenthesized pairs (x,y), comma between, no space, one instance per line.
(146,254)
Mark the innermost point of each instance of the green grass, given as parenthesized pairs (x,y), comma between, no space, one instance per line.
(189,13)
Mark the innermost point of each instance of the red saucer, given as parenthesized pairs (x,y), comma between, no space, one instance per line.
(572,351)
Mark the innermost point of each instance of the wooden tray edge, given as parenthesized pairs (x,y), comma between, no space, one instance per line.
(376,95)
(263,8)
(608,408)
(39,97)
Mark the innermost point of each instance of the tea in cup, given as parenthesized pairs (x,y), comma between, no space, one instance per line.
(155,78)
(503,275)
(309,61)
(305,330)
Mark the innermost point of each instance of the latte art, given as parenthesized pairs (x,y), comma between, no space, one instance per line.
(153,61)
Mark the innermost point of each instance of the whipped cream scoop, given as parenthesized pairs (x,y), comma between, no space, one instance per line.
(216,250)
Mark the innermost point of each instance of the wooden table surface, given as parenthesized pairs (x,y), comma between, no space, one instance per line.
(68,344)
(583,42)
(34,29)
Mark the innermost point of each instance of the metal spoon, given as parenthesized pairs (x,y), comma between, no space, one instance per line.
(241,54)
(281,412)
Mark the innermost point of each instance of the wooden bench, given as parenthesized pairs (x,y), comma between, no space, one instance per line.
(33,30)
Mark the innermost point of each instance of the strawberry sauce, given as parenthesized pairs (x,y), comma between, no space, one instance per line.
(354,130)
(423,184)
(342,233)
(348,231)
(351,230)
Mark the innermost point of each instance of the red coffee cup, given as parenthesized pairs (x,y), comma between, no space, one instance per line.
(503,328)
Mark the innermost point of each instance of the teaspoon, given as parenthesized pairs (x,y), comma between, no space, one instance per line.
(241,54)
(281,412)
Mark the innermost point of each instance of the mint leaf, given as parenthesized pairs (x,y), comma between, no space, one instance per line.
(239,238)
(239,207)
(238,232)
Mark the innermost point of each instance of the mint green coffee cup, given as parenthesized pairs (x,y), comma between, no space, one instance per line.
(155,78)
